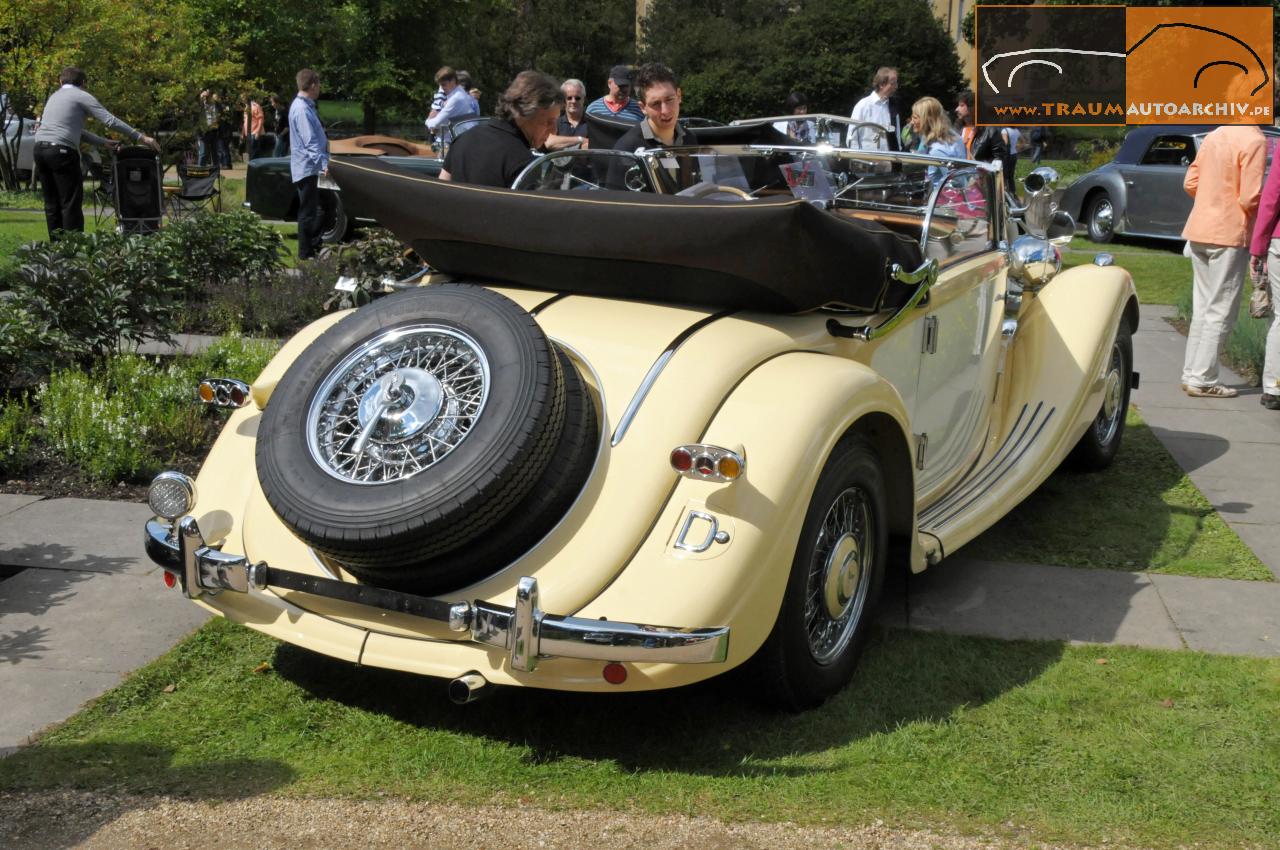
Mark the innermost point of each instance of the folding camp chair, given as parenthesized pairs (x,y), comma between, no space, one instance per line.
(101,193)
(200,188)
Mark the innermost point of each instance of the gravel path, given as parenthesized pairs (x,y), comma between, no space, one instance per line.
(60,819)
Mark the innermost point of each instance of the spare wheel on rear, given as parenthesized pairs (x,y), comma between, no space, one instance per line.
(412,427)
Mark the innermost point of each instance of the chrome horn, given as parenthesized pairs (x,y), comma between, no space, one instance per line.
(1034,259)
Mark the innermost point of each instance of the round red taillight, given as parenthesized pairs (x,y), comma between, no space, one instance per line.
(170,580)
(704,464)
(615,673)
(681,460)
(237,396)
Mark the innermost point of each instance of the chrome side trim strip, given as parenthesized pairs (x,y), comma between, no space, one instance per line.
(969,492)
(651,377)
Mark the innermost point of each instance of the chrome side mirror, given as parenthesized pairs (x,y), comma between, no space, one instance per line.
(1033,262)
(1061,229)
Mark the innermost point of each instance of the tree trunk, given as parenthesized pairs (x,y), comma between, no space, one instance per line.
(370,117)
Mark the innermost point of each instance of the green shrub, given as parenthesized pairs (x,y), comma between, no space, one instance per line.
(373,260)
(232,357)
(1095,153)
(17,434)
(276,307)
(126,418)
(77,299)
(216,249)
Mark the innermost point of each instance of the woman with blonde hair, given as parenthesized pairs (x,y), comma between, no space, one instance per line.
(934,133)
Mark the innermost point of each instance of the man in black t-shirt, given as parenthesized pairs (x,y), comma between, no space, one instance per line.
(495,152)
(659,95)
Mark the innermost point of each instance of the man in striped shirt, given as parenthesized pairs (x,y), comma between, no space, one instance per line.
(617,103)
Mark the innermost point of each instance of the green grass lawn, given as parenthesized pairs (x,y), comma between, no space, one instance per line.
(1160,273)
(1041,741)
(1141,514)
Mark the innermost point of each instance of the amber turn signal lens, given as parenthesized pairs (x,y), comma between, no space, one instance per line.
(728,467)
(206,392)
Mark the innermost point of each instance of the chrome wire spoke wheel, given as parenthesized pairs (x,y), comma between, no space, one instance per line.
(398,404)
(1107,423)
(839,575)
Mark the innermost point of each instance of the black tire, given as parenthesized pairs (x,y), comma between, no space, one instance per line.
(335,227)
(534,516)
(1099,218)
(394,520)
(1099,445)
(794,674)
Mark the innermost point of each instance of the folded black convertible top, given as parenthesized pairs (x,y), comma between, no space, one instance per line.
(776,255)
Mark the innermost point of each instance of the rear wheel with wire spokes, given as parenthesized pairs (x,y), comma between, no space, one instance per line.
(834,584)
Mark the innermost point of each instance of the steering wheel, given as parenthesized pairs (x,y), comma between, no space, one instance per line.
(877,131)
(704,190)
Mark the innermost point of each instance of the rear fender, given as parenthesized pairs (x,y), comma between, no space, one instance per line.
(786,416)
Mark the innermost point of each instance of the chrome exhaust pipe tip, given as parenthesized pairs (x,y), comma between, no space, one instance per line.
(468,687)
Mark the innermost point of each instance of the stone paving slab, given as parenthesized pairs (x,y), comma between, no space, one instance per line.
(67,636)
(182,344)
(1033,602)
(1224,493)
(10,502)
(1255,424)
(1202,455)
(45,697)
(76,534)
(1220,616)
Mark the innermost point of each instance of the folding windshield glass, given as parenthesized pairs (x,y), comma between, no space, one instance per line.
(830,177)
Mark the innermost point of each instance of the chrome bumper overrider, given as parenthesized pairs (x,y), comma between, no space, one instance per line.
(525,631)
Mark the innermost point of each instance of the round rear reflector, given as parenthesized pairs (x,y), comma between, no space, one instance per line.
(681,460)
(170,580)
(615,673)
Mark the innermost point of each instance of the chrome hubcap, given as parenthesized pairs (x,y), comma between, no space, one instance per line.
(1108,420)
(1104,216)
(839,575)
(398,404)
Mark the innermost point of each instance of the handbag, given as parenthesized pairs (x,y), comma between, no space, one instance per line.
(1260,305)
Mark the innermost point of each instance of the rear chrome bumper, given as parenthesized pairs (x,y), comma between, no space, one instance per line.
(525,631)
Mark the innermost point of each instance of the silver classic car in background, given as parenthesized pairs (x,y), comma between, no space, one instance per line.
(1139,193)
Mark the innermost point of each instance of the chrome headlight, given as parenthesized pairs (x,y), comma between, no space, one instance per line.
(171,495)
(1034,262)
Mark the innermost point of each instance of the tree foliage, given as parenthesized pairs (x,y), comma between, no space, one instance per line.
(497,39)
(743,59)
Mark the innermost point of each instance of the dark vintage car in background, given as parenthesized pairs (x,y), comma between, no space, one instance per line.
(1139,193)
(269,191)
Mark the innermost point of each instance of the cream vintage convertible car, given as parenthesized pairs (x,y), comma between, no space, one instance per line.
(653,416)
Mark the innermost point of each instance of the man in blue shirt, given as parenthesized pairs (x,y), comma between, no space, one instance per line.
(458,103)
(308,159)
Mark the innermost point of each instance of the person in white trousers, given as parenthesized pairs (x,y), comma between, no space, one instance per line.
(1226,182)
